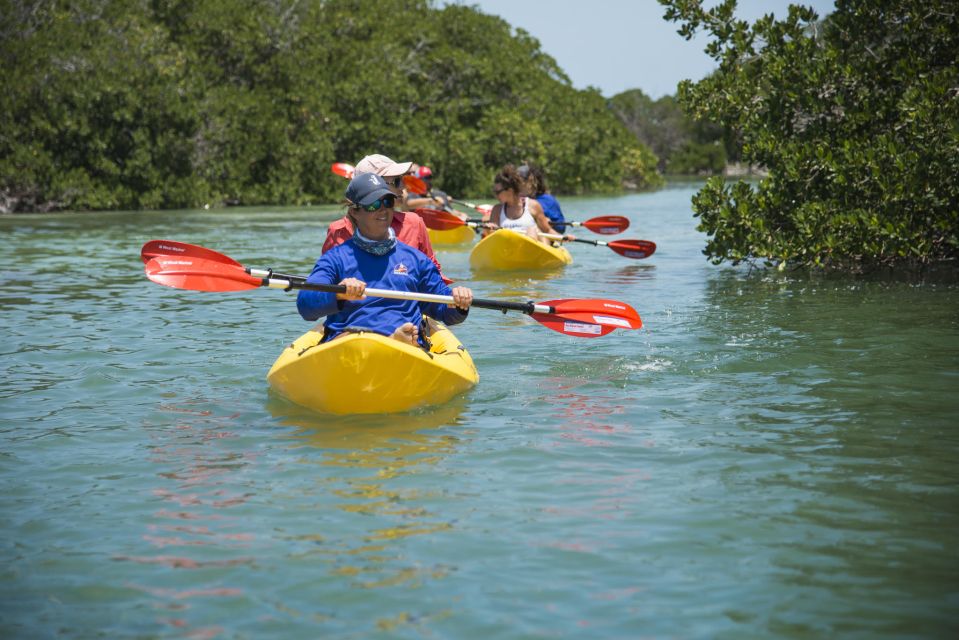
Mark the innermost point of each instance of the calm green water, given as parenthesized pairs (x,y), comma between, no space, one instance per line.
(772,456)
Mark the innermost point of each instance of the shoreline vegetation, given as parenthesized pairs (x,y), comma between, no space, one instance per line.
(143,106)
(854,117)
(828,141)
(157,106)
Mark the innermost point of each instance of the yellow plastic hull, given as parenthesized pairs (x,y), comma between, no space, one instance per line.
(459,235)
(369,373)
(506,250)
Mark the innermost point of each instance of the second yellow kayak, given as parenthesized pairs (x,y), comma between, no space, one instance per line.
(459,235)
(507,250)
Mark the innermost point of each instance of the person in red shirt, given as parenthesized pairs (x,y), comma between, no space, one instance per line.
(409,227)
(433,198)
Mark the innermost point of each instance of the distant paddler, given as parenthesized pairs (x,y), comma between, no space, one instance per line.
(516,211)
(434,198)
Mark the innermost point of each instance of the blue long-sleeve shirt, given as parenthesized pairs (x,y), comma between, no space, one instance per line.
(552,210)
(402,269)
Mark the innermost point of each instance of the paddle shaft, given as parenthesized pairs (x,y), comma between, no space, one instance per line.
(568,223)
(200,269)
(420,188)
(286,282)
(464,203)
(554,236)
(429,193)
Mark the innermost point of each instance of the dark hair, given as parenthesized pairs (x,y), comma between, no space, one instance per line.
(536,182)
(509,178)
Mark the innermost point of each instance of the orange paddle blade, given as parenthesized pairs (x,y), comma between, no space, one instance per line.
(575,328)
(637,249)
(172,248)
(439,220)
(415,185)
(588,318)
(199,274)
(605,225)
(342,169)
(597,310)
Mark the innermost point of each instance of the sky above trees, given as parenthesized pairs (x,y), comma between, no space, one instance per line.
(616,45)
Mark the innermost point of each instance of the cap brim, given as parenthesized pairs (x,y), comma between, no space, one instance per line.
(399,169)
(376,195)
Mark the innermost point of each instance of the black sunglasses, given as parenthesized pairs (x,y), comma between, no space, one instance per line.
(497,189)
(385,201)
(396,182)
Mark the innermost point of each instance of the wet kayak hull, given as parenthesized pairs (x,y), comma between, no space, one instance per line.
(458,235)
(369,373)
(506,250)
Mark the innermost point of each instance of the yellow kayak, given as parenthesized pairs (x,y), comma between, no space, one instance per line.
(366,372)
(507,250)
(459,235)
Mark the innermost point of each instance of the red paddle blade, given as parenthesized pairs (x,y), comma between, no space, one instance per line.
(198,274)
(342,169)
(415,185)
(172,248)
(612,313)
(633,248)
(607,225)
(573,328)
(439,220)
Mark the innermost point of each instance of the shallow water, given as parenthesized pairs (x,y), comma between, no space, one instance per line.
(773,455)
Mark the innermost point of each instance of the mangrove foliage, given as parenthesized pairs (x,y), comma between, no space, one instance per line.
(144,104)
(856,119)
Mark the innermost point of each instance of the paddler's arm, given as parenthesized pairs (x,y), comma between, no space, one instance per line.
(455,313)
(447,313)
(543,223)
(462,299)
(354,289)
(313,305)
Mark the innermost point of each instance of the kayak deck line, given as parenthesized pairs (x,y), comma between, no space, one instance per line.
(508,250)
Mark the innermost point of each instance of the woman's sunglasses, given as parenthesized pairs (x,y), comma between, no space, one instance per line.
(385,201)
(497,189)
(396,182)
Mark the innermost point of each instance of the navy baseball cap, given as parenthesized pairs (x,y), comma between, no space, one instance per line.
(367,188)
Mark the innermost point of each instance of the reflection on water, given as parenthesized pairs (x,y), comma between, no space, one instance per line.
(195,529)
(589,419)
(631,273)
(371,467)
(507,283)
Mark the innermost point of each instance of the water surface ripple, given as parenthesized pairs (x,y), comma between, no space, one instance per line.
(772,456)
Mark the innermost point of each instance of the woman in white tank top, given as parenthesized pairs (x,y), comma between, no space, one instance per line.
(516,211)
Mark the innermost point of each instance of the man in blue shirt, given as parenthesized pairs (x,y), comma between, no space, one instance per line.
(374,256)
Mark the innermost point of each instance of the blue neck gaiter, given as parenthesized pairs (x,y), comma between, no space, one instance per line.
(376,247)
